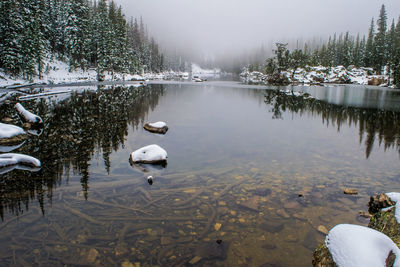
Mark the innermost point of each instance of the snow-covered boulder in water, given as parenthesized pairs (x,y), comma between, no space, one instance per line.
(153,154)
(11,134)
(15,158)
(28,116)
(354,245)
(11,161)
(156,127)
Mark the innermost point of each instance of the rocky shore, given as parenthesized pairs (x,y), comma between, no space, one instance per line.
(318,75)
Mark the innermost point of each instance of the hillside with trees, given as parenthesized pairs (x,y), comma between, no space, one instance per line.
(380,50)
(82,33)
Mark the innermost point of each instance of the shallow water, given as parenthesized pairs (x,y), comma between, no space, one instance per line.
(257,170)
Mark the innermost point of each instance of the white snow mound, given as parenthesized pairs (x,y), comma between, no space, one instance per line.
(395,196)
(28,116)
(149,154)
(354,245)
(158,124)
(8,130)
(9,159)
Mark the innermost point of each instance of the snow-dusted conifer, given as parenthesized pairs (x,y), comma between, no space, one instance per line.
(380,41)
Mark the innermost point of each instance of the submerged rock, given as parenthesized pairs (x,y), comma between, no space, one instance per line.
(212,250)
(350,191)
(262,191)
(251,203)
(156,127)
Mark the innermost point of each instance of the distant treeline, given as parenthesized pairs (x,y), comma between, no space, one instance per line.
(84,33)
(380,49)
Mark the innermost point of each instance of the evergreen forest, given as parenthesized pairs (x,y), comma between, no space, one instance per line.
(84,33)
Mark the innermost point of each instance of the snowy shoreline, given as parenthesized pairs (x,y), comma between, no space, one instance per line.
(320,75)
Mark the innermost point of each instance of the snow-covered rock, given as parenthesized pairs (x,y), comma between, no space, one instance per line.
(153,154)
(10,159)
(156,127)
(353,246)
(28,116)
(11,134)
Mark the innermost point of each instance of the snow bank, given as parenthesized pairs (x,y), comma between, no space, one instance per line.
(9,159)
(27,115)
(149,154)
(58,72)
(395,196)
(318,75)
(353,246)
(9,131)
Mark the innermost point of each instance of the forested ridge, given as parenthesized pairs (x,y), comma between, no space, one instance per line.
(380,50)
(84,33)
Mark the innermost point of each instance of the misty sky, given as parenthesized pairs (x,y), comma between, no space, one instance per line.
(218,26)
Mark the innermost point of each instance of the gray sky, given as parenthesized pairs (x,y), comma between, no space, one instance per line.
(215,26)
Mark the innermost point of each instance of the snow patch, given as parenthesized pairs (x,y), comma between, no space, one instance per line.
(395,196)
(8,130)
(58,72)
(158,124)
(149,154)
(353,246)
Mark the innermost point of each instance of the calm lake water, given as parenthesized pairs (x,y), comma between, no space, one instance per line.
(252,174)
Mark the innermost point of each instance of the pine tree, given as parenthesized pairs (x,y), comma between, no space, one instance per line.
(380,42)
(396,55)
(76,32)
(102,39)
(390,49)
(32,39)
(347,49)
(369,46)
(357,52)
(11,31)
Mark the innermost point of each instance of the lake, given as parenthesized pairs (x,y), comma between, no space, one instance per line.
(254,174)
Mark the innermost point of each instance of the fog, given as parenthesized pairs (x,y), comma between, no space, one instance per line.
(214,27)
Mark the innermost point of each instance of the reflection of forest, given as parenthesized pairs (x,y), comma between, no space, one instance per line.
(75,129)
(383,125)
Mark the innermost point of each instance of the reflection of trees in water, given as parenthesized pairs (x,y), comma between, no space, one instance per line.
(383,125)
(74,129)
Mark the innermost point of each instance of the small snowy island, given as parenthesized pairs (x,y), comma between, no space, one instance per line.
(159,127)
(152,154)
